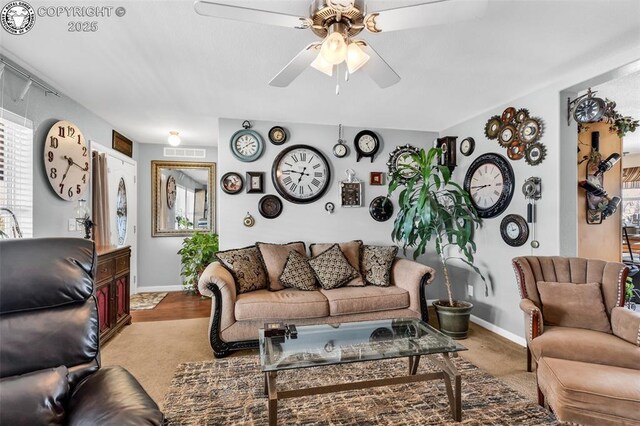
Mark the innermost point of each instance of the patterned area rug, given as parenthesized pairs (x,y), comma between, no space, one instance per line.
(143,301)
(230,392)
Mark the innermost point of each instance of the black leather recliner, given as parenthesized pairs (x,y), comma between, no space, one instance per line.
(49,341)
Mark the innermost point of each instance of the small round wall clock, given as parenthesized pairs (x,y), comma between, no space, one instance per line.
(467,146)
(231,183)
(381,209)
(508,134)
(301,174)
(340,150)
(367,144)
(490,183)
(246,144)
(400,160)
(589,110)
(66,160)
(277,135)
(514,230)
(171,192)
(270,206)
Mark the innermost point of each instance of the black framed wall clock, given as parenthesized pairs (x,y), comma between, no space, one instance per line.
(255,182)
(278,135)
(301,174)
(467,146)
(400,159)
(490,182)
(247,145)
(66,160)
(231,183)
(514,230)
(367,144)
(171,191)
(270,206)
(381,209)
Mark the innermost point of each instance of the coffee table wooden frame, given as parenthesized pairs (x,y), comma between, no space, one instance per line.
(448,373)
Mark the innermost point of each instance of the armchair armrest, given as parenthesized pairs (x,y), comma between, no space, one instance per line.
(533,319)
(112,396)
(626,324)
(413,277)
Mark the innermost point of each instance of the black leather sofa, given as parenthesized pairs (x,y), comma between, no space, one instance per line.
(49,341)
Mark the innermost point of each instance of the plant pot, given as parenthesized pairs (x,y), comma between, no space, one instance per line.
(453,320)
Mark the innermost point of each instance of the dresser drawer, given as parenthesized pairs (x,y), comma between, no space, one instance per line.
(106,269)
(122,264)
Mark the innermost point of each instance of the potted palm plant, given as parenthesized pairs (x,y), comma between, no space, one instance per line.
(434,208)
(196,253)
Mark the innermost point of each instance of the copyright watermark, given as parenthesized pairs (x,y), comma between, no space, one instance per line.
(17,17)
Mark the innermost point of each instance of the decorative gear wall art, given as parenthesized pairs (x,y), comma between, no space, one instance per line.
(518,132)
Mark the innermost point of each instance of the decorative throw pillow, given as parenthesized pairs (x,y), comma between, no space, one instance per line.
(332,269)
(574,305)
(274,256)
(35,398)
(376,264)
(297,273)
(246,268)
(351,251)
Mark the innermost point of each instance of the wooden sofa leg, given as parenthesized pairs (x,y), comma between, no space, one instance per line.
(529,369)
(540,397)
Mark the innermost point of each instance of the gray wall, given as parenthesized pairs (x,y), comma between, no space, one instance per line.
(50,212)
(158,261)
(307,222)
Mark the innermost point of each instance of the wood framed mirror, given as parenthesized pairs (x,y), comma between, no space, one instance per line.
(183,198)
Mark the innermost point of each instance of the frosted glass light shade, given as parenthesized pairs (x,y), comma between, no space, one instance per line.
(334,48)
(356,58)
(173,139)
(323,66)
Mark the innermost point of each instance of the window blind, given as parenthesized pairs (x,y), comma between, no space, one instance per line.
(16,175)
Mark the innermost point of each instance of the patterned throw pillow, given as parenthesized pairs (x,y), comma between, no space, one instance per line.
(332,269)
(246,267)
(351,251)
(376,264)
(274,256)
(297,273)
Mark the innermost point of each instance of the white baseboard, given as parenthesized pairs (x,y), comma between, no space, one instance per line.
(494,328)
(159,288)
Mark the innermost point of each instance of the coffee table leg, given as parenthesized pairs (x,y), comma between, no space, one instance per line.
(414,361)
(270,378)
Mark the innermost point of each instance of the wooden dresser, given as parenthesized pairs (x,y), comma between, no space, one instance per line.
(112,290)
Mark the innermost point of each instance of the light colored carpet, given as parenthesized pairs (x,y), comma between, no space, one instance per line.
(153,350)
(143,301)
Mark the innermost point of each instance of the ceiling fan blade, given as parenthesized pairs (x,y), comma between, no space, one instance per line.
(425,14)
(295,67)
(377,68)
(245,14)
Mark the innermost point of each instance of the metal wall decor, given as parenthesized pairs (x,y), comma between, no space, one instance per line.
(246,145)
(401,160)
(351,190)
(255,182)
(519,133)
(231,183)
(270,206)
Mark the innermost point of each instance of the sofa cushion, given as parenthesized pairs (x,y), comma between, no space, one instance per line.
(573,305)
(246,267)
(332,268)
(35,398)
(351,251)
(582,393)
(376,263)
(297,273)
(274,257)
(285,304)
(583,345)
(350,300)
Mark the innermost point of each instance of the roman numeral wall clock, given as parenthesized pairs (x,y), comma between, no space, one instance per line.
(490,183)
(301,174)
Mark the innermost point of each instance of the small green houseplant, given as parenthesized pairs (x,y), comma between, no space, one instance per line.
(197,251)
(434,208)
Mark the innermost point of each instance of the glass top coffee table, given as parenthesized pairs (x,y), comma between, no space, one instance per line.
(329,344)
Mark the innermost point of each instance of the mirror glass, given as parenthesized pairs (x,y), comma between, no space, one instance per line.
(183,197)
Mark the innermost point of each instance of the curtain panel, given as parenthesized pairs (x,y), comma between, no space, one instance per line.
(100,200)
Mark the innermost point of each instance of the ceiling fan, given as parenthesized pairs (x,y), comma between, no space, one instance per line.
(337,22)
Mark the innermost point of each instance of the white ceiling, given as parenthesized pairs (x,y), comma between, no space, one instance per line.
(162,67)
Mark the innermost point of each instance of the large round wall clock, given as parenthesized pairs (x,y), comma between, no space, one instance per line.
(514,230)
(171,192)
(247,145)
(400,160)
(490,183)
(367,144)
(301,174)
(66,160)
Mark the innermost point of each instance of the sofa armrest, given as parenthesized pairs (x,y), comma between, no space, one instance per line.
(412,277)
(533,319)
(112,396)
(625,324)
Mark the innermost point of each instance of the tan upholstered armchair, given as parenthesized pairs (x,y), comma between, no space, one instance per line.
(611,276)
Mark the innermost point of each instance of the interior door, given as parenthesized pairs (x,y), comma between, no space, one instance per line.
(123,203)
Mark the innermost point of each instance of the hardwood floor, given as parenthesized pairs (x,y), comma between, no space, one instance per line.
(176,305)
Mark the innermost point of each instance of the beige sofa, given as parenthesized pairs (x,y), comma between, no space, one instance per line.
(589,373)
(236,318)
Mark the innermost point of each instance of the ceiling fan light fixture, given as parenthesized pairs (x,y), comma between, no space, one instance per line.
(356,57)
(174,138)
(334,47)
(322,65)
